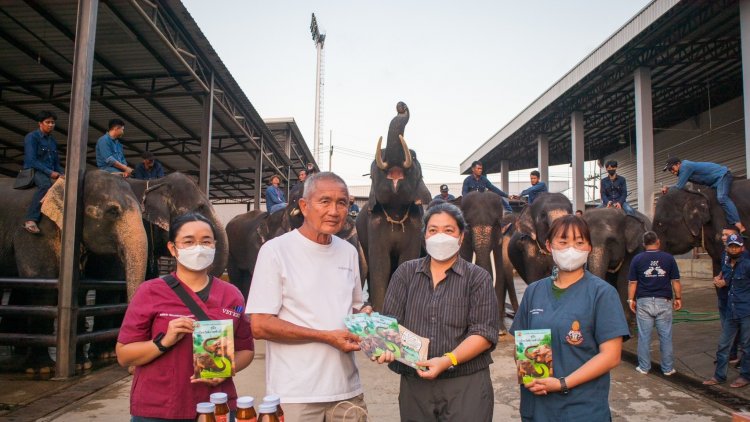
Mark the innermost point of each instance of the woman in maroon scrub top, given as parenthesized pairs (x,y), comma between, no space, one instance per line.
(156,334)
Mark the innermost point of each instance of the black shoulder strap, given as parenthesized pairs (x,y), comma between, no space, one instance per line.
(185,297)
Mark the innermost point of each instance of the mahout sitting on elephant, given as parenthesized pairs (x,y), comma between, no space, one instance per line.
(390,224)
(111,227)
(526,248)
(685,219)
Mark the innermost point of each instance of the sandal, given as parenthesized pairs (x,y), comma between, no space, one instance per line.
(31,227)
(712,381)
(739,382)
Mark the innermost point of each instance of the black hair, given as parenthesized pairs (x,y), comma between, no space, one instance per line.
(44,115)
(114,123)
(611,163)
(562,224)
(181,220)
(650,238)
(577,211)
(444,208)
(300,172)
(312,181)
(476,163)
(147,155)
(274,176)
(536,173)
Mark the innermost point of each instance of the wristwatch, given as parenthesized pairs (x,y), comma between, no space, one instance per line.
(563,386)
(157,341)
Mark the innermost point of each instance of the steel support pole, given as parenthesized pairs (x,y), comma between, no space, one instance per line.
(542,160)
(745,48)
(644,141)
(258,176)
(504,178)
(206,133)
(576,141)
(316,149)
(67,302)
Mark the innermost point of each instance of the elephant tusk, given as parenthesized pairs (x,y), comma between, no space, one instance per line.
(294,212)
(382,165)
(407,153)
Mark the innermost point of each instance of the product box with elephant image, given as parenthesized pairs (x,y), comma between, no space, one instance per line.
(213,349)
(379,333)
(533,354)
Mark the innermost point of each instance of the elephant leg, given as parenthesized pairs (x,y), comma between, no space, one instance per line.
(501,286)
(380,272)
(622,288)
(239,278)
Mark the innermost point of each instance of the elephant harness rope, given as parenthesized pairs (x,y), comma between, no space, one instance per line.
(394,222)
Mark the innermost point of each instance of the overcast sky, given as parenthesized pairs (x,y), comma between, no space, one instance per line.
(464,68)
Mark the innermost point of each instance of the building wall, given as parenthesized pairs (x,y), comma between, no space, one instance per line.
(717,136)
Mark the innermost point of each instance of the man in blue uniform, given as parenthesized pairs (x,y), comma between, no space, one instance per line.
(444,195)
(110,156)
(653,275)
(708,174)
(537,187)
(614,189)
(149,169)
(722,290)
(476,181)
(40,153)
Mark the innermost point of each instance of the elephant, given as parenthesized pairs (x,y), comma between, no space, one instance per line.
(484,236)
(168,197)
(112,226)
(685,219)
(390,224)
(527,247)
(247,232)
(616,238)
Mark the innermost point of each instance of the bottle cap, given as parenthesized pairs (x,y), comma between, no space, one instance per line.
(219,398)
(267,408)
(272,399)
(205,408)
(245,402)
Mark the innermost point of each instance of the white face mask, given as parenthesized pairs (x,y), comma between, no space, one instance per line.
(442,247)
(197,258)
(569,259)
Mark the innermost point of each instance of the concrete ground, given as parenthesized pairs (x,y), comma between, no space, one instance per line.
(633,397)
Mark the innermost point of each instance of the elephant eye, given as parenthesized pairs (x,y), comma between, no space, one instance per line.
(113,211)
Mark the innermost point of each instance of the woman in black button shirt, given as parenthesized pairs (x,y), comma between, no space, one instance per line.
(452,302)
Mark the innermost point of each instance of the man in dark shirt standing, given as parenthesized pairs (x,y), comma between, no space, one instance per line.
(40,153)
(476,181)
(653,275)
(737,277)
(614,190)
(149,169)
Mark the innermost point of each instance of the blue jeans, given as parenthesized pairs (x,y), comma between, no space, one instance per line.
(277,207)
(652,311)
(729,331)
(506,205)
(43,183)
(723,316)
(625,207)
(723,186)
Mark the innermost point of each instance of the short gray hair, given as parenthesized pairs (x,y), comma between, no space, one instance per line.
(311,183)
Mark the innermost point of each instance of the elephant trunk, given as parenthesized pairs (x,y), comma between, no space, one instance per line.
(598,261)
(222,247)
(394,147)
(481,239)
(132,250)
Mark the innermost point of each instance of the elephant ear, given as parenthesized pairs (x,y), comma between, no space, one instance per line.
(696,214)
(52,203)
(634,229)
(423,194)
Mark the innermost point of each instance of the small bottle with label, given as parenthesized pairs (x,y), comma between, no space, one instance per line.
(222,408)
(205,412)
(245,410)
(275,400)
(268,413)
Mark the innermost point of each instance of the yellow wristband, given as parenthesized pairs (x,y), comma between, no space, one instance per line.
(452,357)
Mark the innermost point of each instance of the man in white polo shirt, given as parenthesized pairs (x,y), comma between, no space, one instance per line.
(305,283)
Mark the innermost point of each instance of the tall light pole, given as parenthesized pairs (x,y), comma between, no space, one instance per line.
(319,41)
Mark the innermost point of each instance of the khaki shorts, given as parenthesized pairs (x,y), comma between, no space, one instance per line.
(335,411)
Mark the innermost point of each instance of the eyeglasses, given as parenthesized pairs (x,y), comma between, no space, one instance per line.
(190,244)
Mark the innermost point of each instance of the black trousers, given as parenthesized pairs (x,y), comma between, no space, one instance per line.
(465,398)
